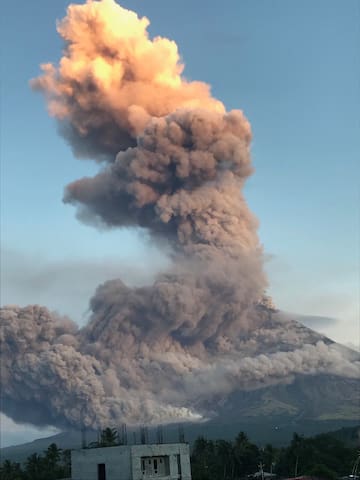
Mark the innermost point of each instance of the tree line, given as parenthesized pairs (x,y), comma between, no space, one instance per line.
(52,465)
(322,456)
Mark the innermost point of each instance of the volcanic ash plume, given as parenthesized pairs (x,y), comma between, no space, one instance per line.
(173,163)
(112,79)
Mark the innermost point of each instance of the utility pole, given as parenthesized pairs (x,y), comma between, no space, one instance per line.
(296,465)
(261,468)
(356,466)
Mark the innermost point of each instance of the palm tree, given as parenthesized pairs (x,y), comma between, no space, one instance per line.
(34,467)
(53,454)
(52,462)
(108,437)
(203,458)
(246,454)
(11,471)
(224,453)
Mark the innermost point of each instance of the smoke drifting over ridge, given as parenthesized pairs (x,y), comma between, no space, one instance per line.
(173,161)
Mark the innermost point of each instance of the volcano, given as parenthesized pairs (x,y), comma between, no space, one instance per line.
(203,341)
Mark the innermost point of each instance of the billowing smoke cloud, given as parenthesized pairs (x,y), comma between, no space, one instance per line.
(110,372)
(112,79)
(174,163)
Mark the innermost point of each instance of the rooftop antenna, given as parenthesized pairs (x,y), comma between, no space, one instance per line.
(123,434)
(159,434)
(181,433)
(83,428)
(144,434)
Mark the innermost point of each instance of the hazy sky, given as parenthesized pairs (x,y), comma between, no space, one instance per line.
(292,67)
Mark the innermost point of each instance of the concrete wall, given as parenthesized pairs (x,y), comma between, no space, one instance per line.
(171,450)
(124,462)
(84,463)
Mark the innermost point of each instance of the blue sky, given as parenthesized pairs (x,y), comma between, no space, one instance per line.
(292,67)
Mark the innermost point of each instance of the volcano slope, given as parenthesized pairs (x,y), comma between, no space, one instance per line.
(281,372)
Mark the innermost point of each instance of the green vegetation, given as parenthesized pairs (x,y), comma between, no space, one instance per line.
(323,453)
(324,456)
(350,436)
(108,438)
(53,464)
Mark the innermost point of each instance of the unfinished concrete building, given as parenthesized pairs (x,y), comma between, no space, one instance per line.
(132,462)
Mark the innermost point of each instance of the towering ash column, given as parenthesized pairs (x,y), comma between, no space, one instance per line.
(174,162)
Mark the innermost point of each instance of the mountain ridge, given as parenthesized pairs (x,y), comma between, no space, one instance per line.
(261,433)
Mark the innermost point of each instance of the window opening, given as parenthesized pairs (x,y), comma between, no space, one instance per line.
(155,466)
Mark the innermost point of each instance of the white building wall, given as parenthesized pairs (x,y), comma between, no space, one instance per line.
(185,463)
(124,462)
(84,463)
(166,449)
